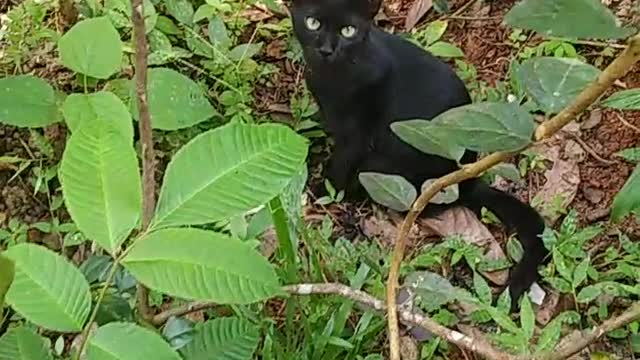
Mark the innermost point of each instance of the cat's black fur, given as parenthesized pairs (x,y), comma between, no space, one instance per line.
(364,83)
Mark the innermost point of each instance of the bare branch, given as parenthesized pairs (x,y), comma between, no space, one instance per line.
(189,308)
(477,345)
(618,68)
(574,344)
(146,137)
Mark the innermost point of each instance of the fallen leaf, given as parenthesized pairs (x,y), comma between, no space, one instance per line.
(256,14)
(384,225)
(416,12)
(593,195)
(463,222)
(409,348)
(595,117)
(559,190)
(549,308)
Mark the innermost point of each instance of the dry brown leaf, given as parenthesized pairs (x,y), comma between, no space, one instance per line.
(255,14)
(409,348)
(416,12)
(384,225)
(562,180)
(462,221)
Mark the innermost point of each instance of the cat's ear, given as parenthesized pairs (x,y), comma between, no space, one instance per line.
(374,7)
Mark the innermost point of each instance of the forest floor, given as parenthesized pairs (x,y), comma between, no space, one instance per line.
(579,163)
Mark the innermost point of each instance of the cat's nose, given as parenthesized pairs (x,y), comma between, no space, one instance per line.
(325,51)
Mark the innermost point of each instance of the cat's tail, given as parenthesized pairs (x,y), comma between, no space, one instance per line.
(515,215)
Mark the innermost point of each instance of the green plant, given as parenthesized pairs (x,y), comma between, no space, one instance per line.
(233,180)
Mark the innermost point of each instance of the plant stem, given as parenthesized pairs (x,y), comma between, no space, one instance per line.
(146,139)
(103,292)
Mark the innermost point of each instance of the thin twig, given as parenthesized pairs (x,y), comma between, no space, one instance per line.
(146,138)
(628,124)
(590,150)
(189,308)
(618,68)
(477,345)
(574,344)
(590,43)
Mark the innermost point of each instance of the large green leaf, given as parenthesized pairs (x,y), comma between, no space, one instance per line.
(27,101)
(101,183)
(228,171)
(486,126)
(20,343)
(92,47)
(624,100)
(433,289)
(175,101)
(418,134)
(48,290)
(202,265)
(628,199)
(79,109)
(7,273)
(126,341)
(553,83)
(569,18)
(392,191)
(224,339)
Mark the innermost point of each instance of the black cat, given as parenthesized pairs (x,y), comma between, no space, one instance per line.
(363,79)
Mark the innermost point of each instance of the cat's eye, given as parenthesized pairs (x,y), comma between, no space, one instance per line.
(312,23)
(348,31)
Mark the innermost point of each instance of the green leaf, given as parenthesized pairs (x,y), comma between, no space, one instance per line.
(482,288)
(561,265)
(514,249)
(205,11)
(507,171)
(101,184)
(247,165)
(175,101)
(392,191)
(79,109)
(126,341)
(223,338)
(445,49)
(628,199)
(580,273)
(27,101)
(244,51)
(486,127)
(48,290)
(434,290)
(7,274)
(417,133)
(549,336)
(92,47)
(434,31)
(527,317)
(503,320)
(624,100)
(589,293)
(181,10)
(631,154)
(202,265)
(218,34)
(565,18)
(20,343)
(553,83)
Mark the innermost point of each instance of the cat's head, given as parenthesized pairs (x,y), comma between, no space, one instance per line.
(330,30)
